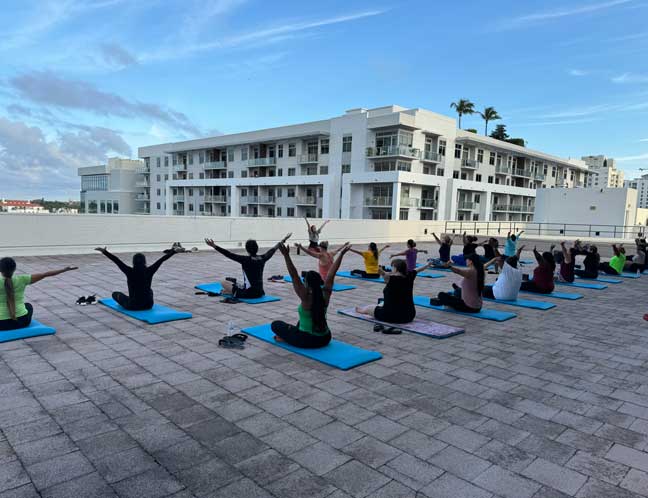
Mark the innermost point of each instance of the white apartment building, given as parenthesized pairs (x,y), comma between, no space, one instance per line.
(384,163)
(641,186)
(118,187)
(603,172)
(20,207)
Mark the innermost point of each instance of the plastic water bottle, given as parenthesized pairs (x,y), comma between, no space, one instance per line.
(638,273)
(231,328)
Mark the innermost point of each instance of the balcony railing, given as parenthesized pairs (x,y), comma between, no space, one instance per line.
(540,176)
(523,173)
(306,201)
(378,201)
(143,171)
(178,212)
(215,165)
(266,199)
(466,206)
(143,184)
(513,208)
(216,198)
(434,157)
(250,199)
(428,204)
(179,198)
(394,151)
(410,202)
(179,167)
(502,170)
(308,158)
(469,163)
(262,161)
(142,197)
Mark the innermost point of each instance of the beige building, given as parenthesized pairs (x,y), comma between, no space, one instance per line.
(603,172)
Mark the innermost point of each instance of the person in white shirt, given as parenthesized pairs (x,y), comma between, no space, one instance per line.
(507,286)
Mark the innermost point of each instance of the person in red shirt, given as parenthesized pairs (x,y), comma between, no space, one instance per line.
(543,275)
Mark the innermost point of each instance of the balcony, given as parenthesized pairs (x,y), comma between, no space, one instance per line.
(308,159)
(142,211)
(214,165)
(393,151)
(142,197)
(179,198)
(469,164)
(502,170)
(142,184)
(250,199)
(143,171)
(262,162)
(410,202)
(306,201)
(513,208)
(266,199)
(522,173)
(428,204)
(432,157)
(466,206)
(179,167)
(540,176)
(222,199)
(378,202)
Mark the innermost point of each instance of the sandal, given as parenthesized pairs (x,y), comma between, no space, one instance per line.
(229,343)
(229,300)
(239,337)
(81,301)
(91,299)
(392,331)
(378,328)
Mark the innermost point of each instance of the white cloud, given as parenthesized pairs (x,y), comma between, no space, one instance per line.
(578,72)
(643,139)
(631,78)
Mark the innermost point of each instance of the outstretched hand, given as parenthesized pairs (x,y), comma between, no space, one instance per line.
(70,268)
(100,249)
(283,241)
(346,248)
(210,243)
(284,249)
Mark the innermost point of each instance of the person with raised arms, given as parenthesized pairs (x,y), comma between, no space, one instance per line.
(616,264)
(410,254)
(445,246)
(314,234)
(507,285)
(467,297)
(324,257)
(371,260)
(543,274)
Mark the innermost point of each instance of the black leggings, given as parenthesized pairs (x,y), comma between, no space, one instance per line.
(298,338)
(20,322)
(607,269)
(634,267)
(455,301)
(248,293)
(488,292)
(585,274)
(127,303)
(364,274)
(532,287)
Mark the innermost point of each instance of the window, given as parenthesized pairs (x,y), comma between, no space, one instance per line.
(278,210)
(480,156)
(166,161)
(201,176)
(347,143)
(292,150)
(478,178)
(280,150)
(190,156)
(392,166)
(190,192)
(158,161)
(491,158)
(190,176)
(440,172)
(166,177)
(201,157)
(280,172)
(323,170)
(464,176)
(490,179)
(109,207)
(324,146)
(553,172)
(458,151)
(158,206)
(94,183)
(279,192)
(346,168)
(475,217)
(103,207)
(403,214)
(290,212)
(455,174)
(243,174)
(191,207)
(476,198)
(230,155)
(291,171)
(159,193)
(244,154)
(243,209)
(290,192)
(442,147)
(498,160)
(201,192)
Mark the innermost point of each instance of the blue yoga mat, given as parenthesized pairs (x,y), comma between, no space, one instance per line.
(629,275)
(495,315)
(606,280)
(35,329)
(429,275)
(557,295)
(524,303)
(347,274)
(583,285)
(336,354)
(217,288)
(336,287)
(157,314)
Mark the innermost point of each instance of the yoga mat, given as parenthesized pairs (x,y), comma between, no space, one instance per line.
(524,303)
(336,287)
(35,329)
(217,288)
(429,275)
(416,326)
(626,274)
(582,285)
(496,315)
(607,280)
(557,295)
(336,354)
(157,314)
(347,274)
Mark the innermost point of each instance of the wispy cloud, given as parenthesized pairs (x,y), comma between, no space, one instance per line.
(579,112)
(630,78)
(643,139)
(254,37)
(578,72)
(640,157)
(551,15)
(558,122)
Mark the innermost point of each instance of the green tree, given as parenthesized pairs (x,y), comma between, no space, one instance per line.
(463,107)
(489,114)
(499,132)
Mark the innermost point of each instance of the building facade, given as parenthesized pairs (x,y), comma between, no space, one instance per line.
(17,207)
(641,186)
(118,187)
(383,163)
(603,172)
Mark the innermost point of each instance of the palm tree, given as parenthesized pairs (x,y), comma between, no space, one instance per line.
(463,106)
(489,114)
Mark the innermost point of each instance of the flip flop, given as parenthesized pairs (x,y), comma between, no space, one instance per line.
(200,293)
(378,328)
(81,301)
(392,331)
(239,337)
(91,299)
(228,343)
(229,300)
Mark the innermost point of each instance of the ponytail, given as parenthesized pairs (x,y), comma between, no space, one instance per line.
(7,268)
(374,249)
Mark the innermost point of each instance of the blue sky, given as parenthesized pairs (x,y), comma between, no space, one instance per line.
(84,79)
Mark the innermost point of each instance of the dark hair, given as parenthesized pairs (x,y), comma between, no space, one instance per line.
(252,247)
(513,238)
(550,260)
(594,249)
(493,242)
(411,243)
(7,269)
(139,261)
(512,261)
(314,282)
(374,249)
(324,245)
(479,266)
(400,266)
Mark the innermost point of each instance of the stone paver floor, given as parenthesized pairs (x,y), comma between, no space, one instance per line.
(547,405)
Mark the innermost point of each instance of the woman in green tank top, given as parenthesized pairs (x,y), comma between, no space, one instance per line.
(312,330)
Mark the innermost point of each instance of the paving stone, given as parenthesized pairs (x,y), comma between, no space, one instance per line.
(44,449)
(12,475)
(586,442)
(320,458)
(182,455)
(88,486)
(418,444)
(628,456)
(205,479)
(154,483)
(460,463)
(449,486)
(97,447)
(267,467)
(505,483)
(411,471)
(119,466)
(381,428)
(462,438)
(594,488)
(555,476)
(59,469)
(372,452)
(244,488)
(357,479)
(26,491)
(545,448)
(238,448)
(337,434)
(636,481)
(301,484)
(598,468)
(211,432)
(288,440)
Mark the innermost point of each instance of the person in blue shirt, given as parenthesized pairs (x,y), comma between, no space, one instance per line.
(510,246)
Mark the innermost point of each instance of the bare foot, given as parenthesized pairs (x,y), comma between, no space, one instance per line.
(278,339)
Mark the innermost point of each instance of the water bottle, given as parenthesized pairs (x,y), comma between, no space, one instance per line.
(231,328)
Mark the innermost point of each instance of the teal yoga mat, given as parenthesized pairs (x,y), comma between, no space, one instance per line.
(157,314)
(217,288)
(485,314)
(35,329)
(336,287)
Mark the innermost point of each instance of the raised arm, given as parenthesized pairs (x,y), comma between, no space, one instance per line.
(330,277)
(459,271)
(319,230)
(297,283)
(228,254)
(120,264)
(436,238)
(168,254)
(308,251)
(421,251)
(424,267)
(334,253)
(380,251)
(464,239)
(271,252)
(518,253)
(359,253)
(398,254)
(307,222)
(37,277)
(538,256)
(616,250)
(520,233)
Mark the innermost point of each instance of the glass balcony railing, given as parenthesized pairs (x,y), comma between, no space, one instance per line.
(142,184)
(513,208)
(410,202)
(143,171)
(502,170)
(266,199)
(179,167)
(523,173)
(379,201)
(215,165)
(394,151)
(250,199)
(216,198)
(262,161)
(466,205)
(178,198)
(539,176)
(308,158)
(142,197)
(306,201)
(469,163)
(434,157)
(428,204)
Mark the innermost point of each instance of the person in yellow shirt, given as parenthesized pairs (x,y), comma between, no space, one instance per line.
(371,260)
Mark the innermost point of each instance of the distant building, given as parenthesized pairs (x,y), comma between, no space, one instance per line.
(15,207)
(641,186)
(118,187)
(603,172)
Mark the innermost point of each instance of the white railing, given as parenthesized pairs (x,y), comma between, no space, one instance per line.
(142,197)
(262,161)
(142,184)
(378,201)
(179,198)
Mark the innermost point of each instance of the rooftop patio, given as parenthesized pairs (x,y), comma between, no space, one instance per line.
(546,405)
